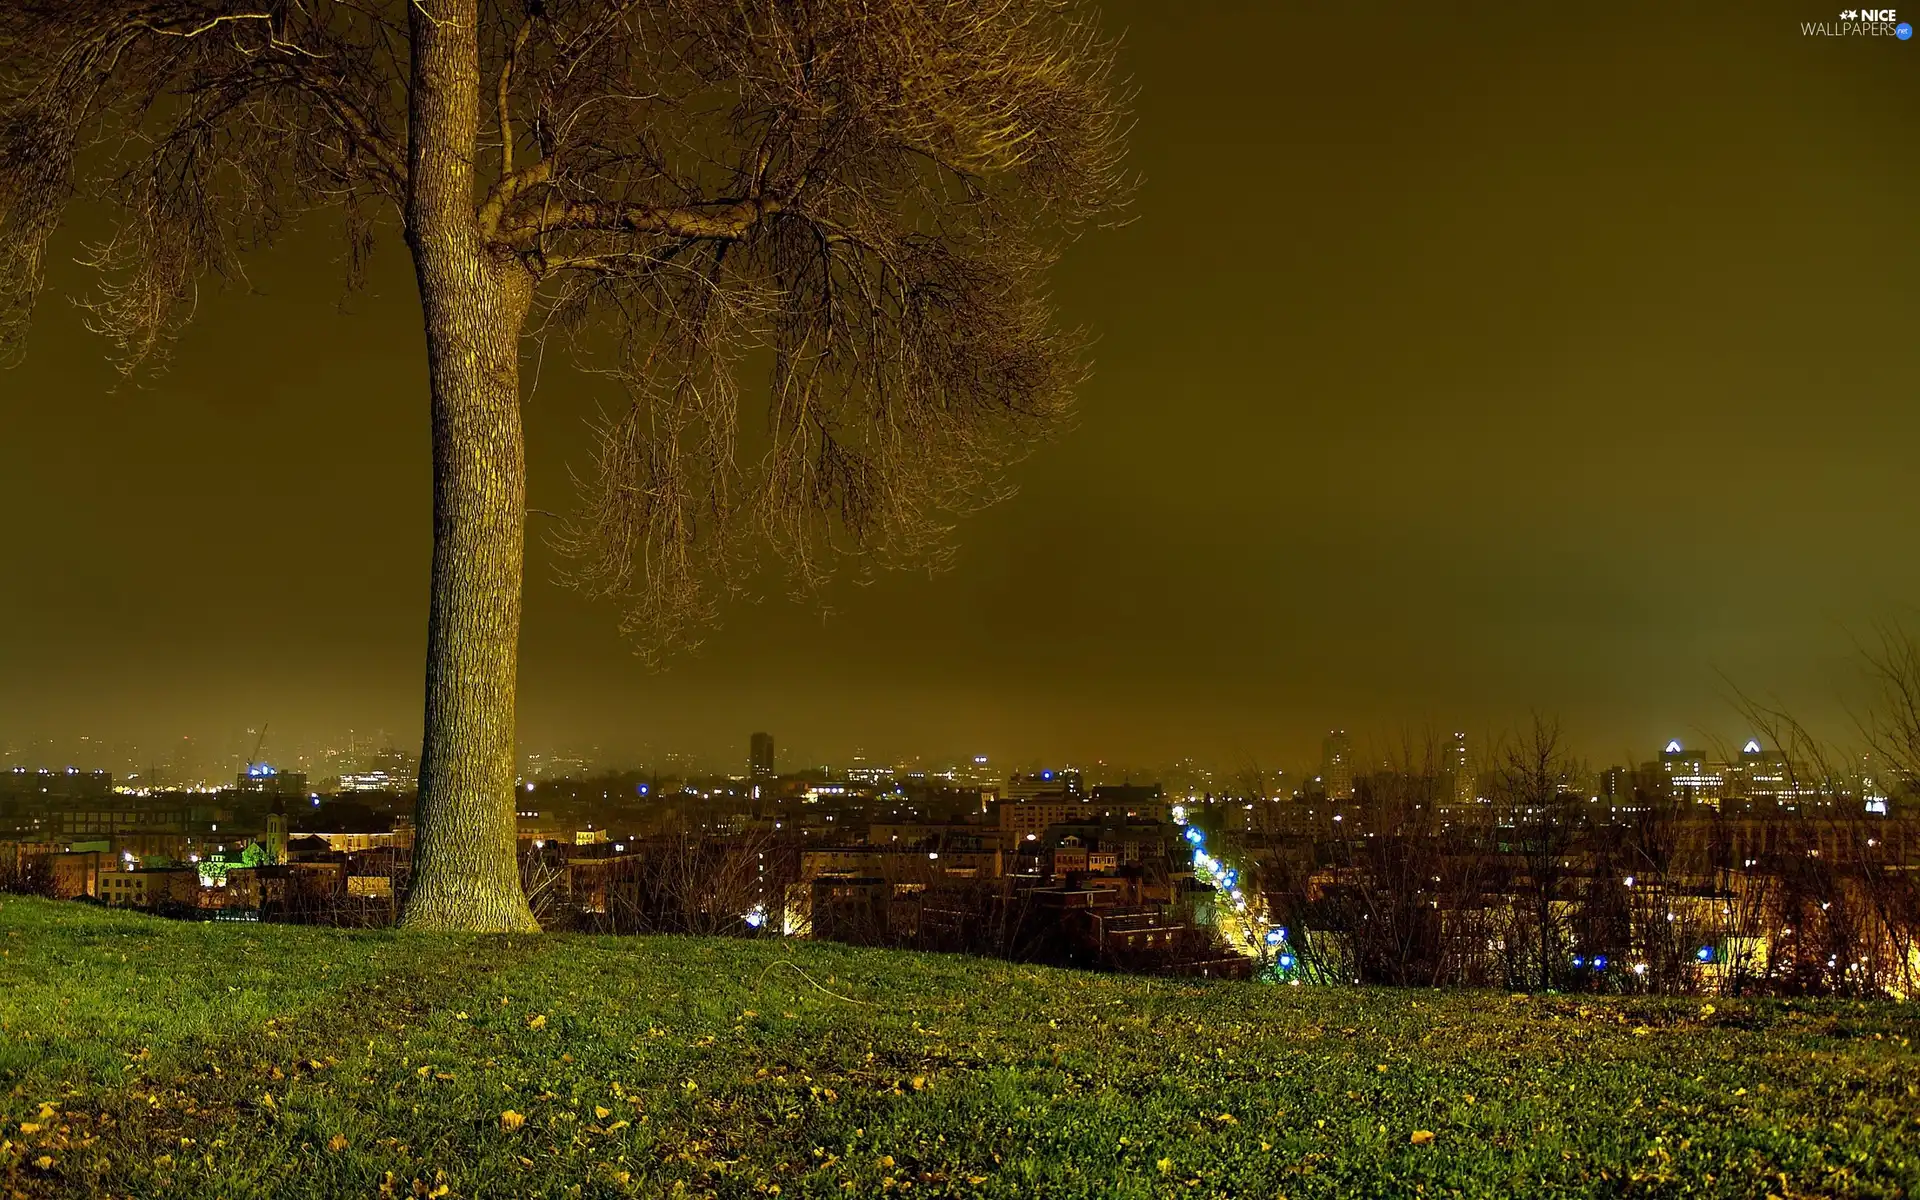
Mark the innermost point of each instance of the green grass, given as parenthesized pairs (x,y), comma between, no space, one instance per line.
(166,1059)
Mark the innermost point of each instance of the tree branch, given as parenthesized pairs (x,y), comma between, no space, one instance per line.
(506,80)
(510,187)
(719,220)
(387,157)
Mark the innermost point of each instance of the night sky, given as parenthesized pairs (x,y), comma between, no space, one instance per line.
(1454,366)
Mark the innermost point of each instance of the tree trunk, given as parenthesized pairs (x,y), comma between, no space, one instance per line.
(466,873)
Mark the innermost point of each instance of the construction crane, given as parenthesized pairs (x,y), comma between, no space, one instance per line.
(251,763)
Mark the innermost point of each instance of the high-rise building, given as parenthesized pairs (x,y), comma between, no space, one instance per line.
(1621,788)
(1764,777)
(1336,765)
(1460,767)
(1689,776)
(760,755)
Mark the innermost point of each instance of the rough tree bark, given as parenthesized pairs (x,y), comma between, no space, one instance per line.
(475,305)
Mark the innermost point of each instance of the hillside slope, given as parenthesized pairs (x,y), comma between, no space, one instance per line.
(151,1058)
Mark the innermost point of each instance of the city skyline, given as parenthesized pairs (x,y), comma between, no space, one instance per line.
(1340,763)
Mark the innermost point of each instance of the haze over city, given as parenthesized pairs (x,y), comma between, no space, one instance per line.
(1451,367)
(958,600)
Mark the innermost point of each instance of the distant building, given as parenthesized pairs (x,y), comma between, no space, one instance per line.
(851,908)
(1689,776)
(276,840)
(1064,783)
(1766,778)
(376,780)
(1460,767)
(266,780)
(1621,788)
(1336,765)
(1026,820)
(70,784)
(760,756)
(1150,798)
(77,873)
(149,887)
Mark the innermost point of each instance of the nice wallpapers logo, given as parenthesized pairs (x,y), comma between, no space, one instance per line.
(1860,22)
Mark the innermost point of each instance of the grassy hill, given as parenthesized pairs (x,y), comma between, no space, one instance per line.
(149,1058)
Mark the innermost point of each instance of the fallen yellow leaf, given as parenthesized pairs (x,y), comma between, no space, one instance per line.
(1421,1137)
(511,1120)
(600,1113)
(537,1021)
(44,1162)
(337,1142)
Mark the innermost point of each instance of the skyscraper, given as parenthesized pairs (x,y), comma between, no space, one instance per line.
(760,755)
(1461,770)
(1336,765)
(1689,776)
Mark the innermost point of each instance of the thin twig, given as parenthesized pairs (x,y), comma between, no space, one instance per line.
(787,962)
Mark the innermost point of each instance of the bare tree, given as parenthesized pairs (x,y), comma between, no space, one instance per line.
(860,196)
(1842,912)
(25,874)
(543,881)
(1531,784)
(687,881)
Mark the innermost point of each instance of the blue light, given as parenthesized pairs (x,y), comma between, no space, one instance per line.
(1274,936)
(1599,962)
(1579,962)
(1046,774)
(1285,961)
(1704,954)
(642,789)
(1194,835)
